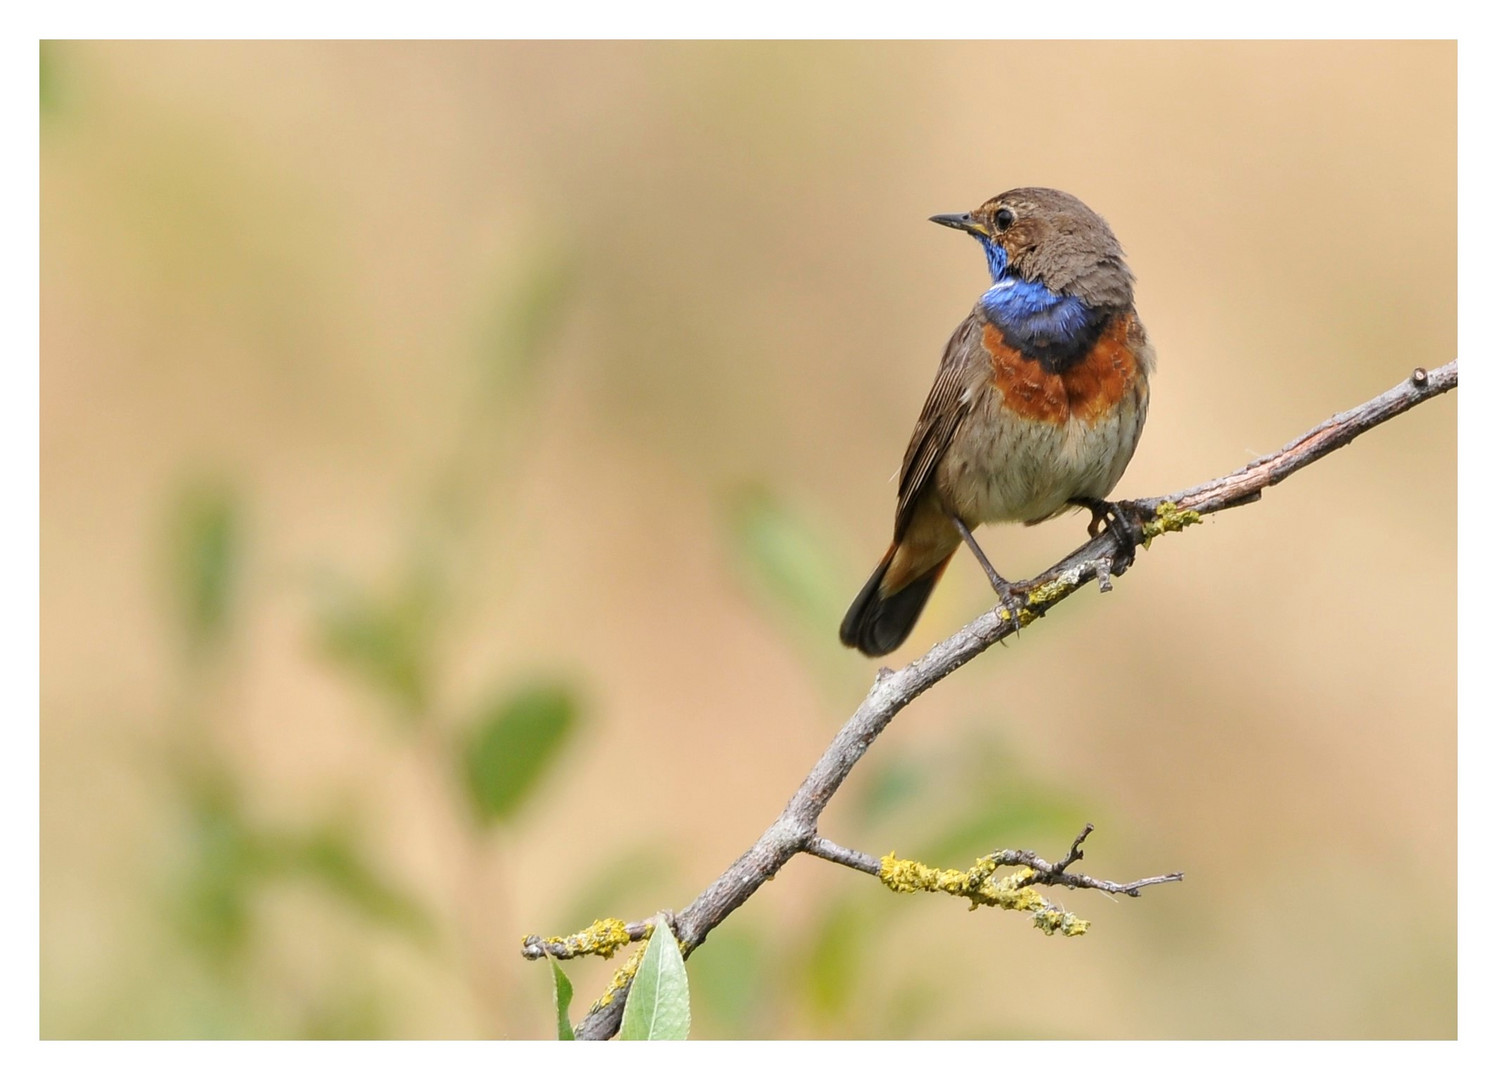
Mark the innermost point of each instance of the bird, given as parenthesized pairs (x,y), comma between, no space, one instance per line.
(1037,406)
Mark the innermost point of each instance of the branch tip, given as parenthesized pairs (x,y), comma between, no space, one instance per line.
(603,938)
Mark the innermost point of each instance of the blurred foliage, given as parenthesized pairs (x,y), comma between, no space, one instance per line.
(517,737)
(834,957)
(229,859)
(390,640)
(795,571)
(205,552)
(221,867)
(358,1014)
(732,982)
(631,880)
(47,71)
(891,784)
(386,641)
(972,797)
(524,323)
(785,558)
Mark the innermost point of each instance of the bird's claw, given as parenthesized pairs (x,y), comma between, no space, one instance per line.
(1122,521)
(1013,602)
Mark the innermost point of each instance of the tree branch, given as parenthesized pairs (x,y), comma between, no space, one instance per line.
(1102,559)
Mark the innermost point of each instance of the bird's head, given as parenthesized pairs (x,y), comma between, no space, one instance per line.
(1054,239)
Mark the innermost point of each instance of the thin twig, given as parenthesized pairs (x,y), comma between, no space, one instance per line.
(794,831)
(1046,873)
(1075,854)
(823,848)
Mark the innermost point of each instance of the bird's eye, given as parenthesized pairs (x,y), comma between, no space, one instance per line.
(1003,219)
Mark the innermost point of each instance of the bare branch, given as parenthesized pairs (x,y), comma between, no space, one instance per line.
(1055,874)
(1102,559)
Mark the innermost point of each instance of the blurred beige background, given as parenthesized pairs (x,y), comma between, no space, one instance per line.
(381,382)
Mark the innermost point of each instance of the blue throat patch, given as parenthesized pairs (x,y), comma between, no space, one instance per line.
(1056,330)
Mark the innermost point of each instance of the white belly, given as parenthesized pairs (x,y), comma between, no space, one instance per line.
(1000,468)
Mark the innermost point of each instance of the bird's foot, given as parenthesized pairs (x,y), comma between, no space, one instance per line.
(1121,520)
(1013,601)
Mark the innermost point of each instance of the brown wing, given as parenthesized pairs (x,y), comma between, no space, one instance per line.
(945,409)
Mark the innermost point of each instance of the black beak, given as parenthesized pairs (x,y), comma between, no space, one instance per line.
(966,222)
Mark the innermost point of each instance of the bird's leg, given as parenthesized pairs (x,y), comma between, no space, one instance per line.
(1013,600)
(1123,526)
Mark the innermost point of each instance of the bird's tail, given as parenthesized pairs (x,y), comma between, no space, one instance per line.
(880,620)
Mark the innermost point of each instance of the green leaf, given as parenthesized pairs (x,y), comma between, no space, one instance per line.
(834,960)
(205,561)
(223,864)
(626,881)
(515,740)
(561,997)
(386,639)
(892,785)
(47,70)
(659,1003)
(730,983)
(786,558)
(330,859)
(1023,819)
(528,318)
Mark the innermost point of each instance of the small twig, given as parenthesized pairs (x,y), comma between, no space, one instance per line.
(794,831)
(1075,854)
(823,848)
(1055,873)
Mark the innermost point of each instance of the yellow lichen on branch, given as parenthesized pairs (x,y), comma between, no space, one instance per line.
(603,938)
(1168,518)
(622,977)
(977,886)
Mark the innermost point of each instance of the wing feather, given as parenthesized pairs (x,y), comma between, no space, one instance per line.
(945,409)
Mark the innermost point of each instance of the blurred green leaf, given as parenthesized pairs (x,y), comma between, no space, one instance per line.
(632,880)
(992,801)
(833,959)
(47,65)
(388,641)
(205,555)
(659,1001)
(910,1010)
(561,997)
(223,861)
(729,982)
(892,785)
(354,1013)
(527,319)
(229,858)
(330,859)
(1019,819)
(786,559)
(513,743)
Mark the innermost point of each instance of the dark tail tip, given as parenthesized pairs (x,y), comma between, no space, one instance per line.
(878,624)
